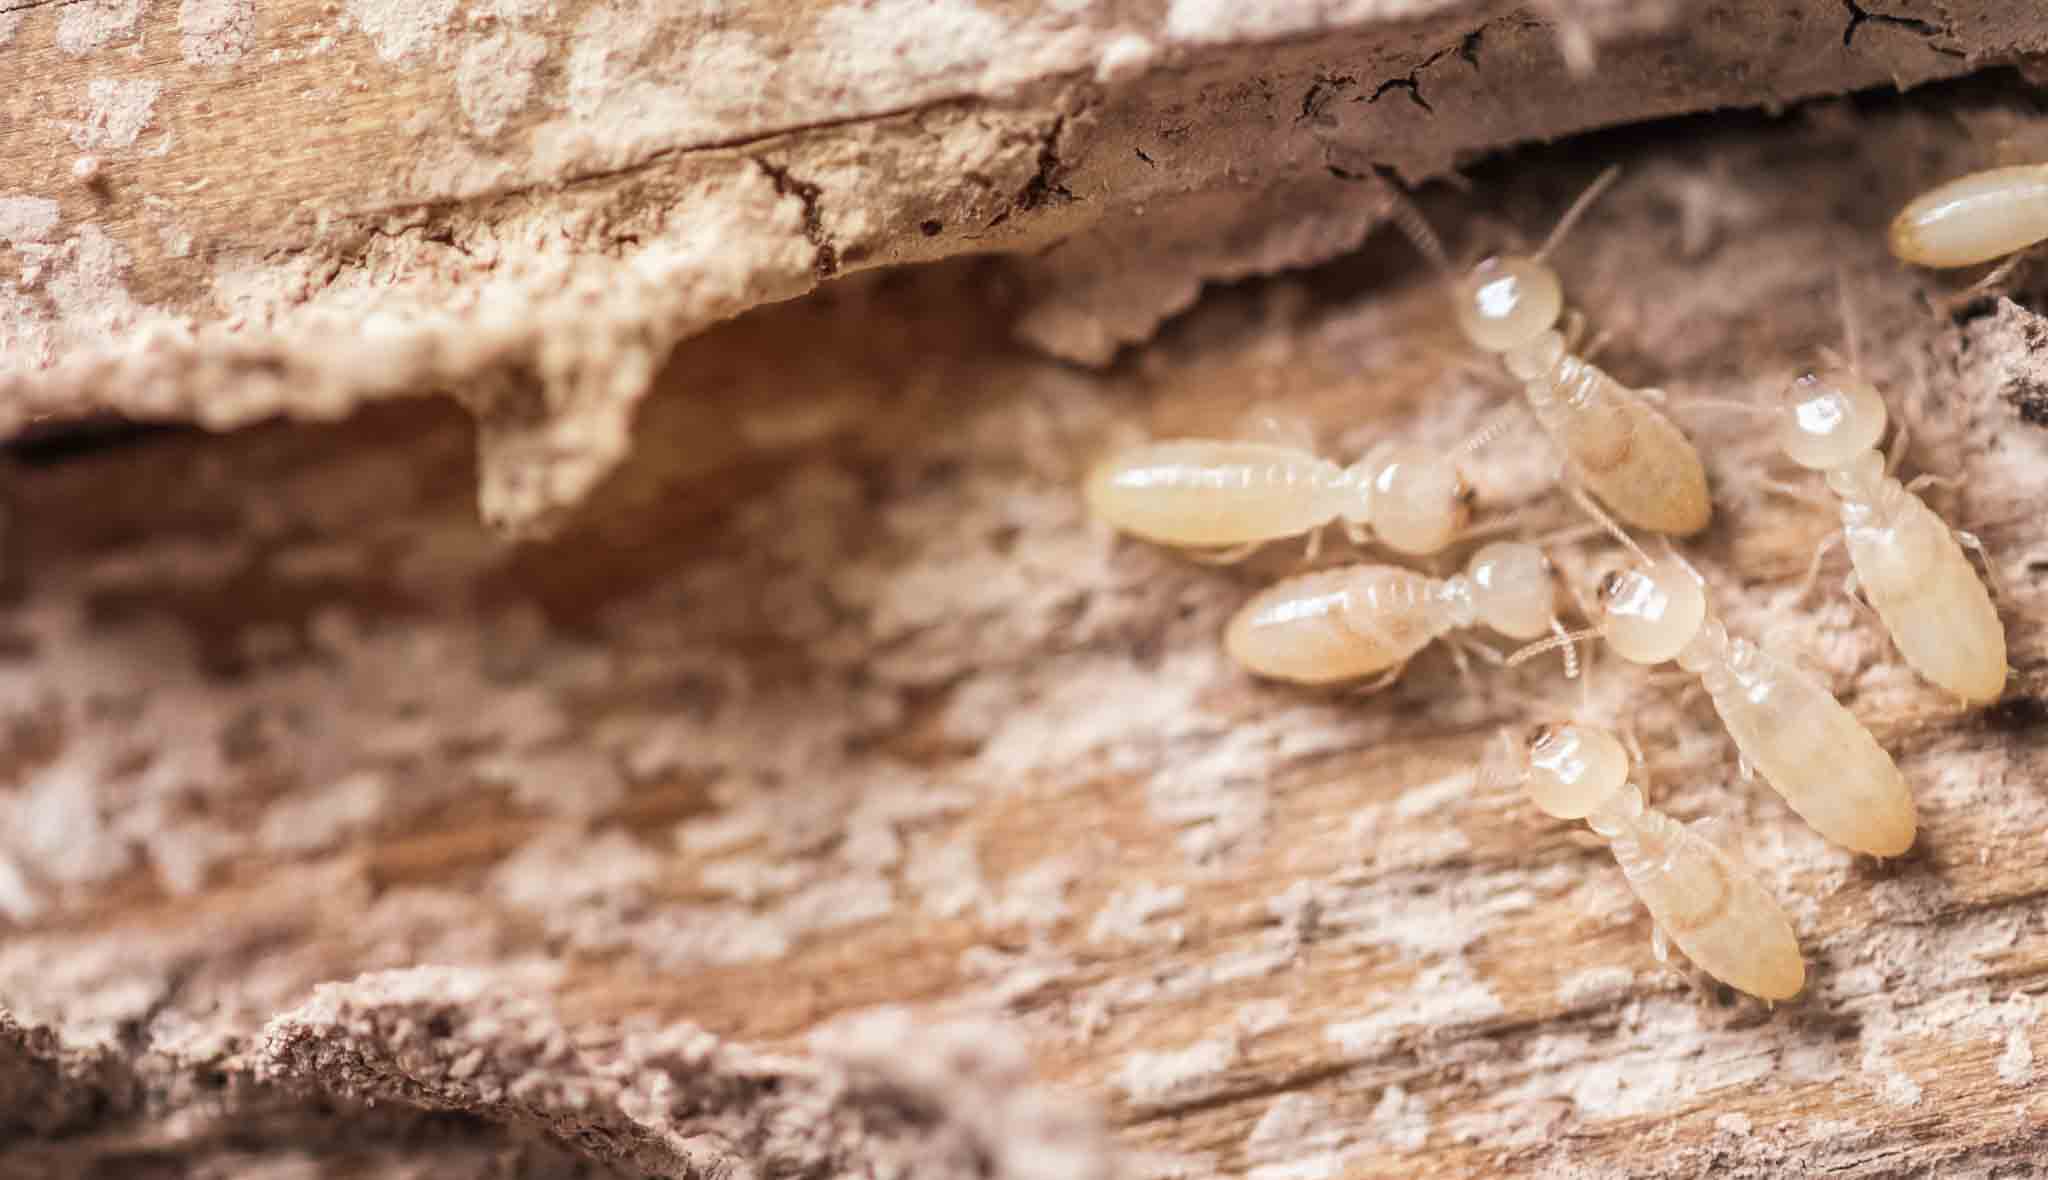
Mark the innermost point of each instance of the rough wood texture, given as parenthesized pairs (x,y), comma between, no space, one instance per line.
(831,797)
(223,211)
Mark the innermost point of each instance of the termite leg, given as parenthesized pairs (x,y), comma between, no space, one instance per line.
(1820,552)
(1742,766)
(1314,548)
(1643,777)
(1901,439)
(1600,341)
(1357,533)
(1230,556)
(1660,945)
(1264,423)
(1382,682)
(1574,329)
(1853,587)
(1944,482)
(1716,830)
(1654,396)
(1975,544)
(1997,276)
(1793,491)
(1485,652)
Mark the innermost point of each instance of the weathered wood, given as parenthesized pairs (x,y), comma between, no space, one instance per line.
(831,797)
(224,211)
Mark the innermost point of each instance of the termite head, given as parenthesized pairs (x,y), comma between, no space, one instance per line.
(1649,613)
(1512,589)
(1573,769)
(1828,418)
(1417,502)
(1506,302)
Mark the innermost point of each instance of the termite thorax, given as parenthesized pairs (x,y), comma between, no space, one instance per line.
(1618,813)
(1860,480)
(1458,602)
(1531,361)
(1707,650)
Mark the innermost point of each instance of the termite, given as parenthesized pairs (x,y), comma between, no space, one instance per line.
(1616,444)
(1974,218)
(1357,620)
(1786,727)
(1230,497)
(1700,898)
(1908,562)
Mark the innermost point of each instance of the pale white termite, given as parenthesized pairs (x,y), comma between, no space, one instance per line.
(1908,561)
(1233,496)
(1357,620)
(1786,726)
(1700,897)
(1974,218)
(1615,443)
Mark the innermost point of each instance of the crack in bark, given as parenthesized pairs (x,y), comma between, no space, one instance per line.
(825,260)
(1044,186)
(1411,82)
(1321,89)
(1926,30)
(35,4)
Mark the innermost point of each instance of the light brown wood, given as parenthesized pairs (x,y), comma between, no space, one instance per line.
(829,795)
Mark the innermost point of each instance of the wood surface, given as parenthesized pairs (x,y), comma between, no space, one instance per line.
(829,796)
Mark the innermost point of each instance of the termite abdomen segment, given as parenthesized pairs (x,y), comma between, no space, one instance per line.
(1204,493)
(1974,218)
(1506,302)
(1827,419)
(1649,615)
(1336,624)
(1573,770)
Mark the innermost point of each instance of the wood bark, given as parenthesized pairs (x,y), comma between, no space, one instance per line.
(825,794)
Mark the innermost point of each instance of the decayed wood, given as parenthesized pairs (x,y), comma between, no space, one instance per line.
(830,796)
(220,211)
(690,838)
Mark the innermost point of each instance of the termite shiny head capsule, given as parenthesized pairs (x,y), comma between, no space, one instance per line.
(1504,303)
(1826,419)
(1651,612)
(1573,769)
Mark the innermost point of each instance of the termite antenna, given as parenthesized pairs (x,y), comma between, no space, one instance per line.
(1671,553)
(1563,639)
(1848,314)
(1570,534)
(1601,184)
(1497,424)
(1510,521)
(1606,522)
(1586,684)
(1401,210)
(1501,768)
(1729,404)
(1571,648)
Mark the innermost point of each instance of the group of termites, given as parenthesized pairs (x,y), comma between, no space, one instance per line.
(1628,466)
